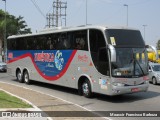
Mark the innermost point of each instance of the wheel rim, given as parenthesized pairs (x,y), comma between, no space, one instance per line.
(26,78)
(85,89)
(19,76)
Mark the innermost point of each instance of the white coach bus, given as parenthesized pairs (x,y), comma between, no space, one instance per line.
(92,59)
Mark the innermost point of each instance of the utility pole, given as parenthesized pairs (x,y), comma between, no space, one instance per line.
(144,31)
(5,35)
(127,12)
(86,11)
(59,10)
(49,18)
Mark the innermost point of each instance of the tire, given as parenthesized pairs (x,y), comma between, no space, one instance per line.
(86,89)
(26,78)
(154,81)
(19,76)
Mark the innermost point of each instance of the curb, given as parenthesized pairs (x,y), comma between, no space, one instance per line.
(35,108)
(76,105)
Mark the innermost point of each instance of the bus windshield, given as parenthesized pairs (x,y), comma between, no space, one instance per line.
(124,38)
(130,62)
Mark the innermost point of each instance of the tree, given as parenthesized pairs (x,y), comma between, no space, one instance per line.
(17,26)
(14,26)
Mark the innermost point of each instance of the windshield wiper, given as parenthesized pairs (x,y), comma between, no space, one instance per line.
(139,66)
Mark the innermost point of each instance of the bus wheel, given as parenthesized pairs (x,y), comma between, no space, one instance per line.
(26,78)
(86,89)
(154,81)
(19,76)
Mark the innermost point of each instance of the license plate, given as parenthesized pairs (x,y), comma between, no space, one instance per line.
(134,89)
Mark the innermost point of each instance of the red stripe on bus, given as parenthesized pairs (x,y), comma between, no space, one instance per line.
(50,78)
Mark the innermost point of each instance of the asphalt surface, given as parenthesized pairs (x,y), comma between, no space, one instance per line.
(53,108)
(145,101)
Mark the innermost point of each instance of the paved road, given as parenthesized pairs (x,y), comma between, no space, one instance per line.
(146,101)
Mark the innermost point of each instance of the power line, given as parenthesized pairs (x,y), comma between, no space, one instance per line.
(77,11)
(37,7)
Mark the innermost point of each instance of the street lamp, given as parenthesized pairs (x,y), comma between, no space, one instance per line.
(127,12)
(86,11)
(5,35)
(144,30)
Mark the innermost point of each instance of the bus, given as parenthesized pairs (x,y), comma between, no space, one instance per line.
(92,59)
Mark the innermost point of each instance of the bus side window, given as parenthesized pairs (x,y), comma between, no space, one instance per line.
(62,41)
(50,44)
(66,41)
(80,40)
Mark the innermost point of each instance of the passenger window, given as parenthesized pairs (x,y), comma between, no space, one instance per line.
(80,40)
(98,51)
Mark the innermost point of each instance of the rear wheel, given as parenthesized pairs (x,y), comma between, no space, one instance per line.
(26,78)
(154,81)
(19,76)
(86,89)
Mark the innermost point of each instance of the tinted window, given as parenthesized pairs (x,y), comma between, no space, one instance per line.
(98,52)
(66,40)
(80,40)
(96,40)
(125,38)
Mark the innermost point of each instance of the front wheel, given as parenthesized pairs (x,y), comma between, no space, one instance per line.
(26,78)
(86,89)
(154,81)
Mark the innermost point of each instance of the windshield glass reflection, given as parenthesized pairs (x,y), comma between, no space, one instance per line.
(130,62)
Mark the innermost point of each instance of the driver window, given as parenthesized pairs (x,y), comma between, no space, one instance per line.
(103,65)
(99,57)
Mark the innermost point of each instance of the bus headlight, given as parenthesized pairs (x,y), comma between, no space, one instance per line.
(118,84)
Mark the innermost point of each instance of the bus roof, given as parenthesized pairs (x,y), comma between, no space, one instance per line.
(66,29)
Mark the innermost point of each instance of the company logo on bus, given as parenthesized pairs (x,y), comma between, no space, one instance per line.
(44,57)
(56,58)
(59,60)
(83,58)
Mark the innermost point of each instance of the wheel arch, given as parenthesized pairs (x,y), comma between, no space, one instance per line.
(25,69)
(82,78)
(18,69)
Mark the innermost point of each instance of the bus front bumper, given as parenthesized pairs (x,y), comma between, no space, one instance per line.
(118,90)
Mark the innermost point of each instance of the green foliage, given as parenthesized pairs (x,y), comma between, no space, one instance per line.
(14,25)
(17,26)
(8,101)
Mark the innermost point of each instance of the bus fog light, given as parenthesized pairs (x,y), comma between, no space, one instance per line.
(115,91)
(118,84)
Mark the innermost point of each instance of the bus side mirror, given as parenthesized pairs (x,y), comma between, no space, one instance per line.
(112,52)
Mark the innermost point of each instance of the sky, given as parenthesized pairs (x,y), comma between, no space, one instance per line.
(142,14)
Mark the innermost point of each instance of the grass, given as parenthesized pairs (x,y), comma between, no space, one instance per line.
(9,101)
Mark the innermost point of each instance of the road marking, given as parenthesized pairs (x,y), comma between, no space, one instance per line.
(56,98)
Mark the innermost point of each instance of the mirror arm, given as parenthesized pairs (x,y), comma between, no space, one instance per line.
(113,52)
